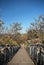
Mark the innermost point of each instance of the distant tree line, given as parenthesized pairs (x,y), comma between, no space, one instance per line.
(36,30)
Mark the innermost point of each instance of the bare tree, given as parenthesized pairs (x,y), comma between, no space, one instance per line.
(37,29)
(1,26)
(15,28)
(40,23)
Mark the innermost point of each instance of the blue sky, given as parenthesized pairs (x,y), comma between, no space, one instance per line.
(21,11)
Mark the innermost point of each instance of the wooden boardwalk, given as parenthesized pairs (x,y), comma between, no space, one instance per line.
(21,58)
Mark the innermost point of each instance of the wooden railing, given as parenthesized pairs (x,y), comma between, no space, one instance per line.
(36,52)
(7,52)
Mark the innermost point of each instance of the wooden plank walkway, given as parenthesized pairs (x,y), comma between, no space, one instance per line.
(21,58)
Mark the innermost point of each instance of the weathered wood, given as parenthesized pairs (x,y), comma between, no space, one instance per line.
(21,58)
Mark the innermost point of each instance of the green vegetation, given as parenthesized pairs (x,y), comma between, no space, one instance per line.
(36,32)
(12,35)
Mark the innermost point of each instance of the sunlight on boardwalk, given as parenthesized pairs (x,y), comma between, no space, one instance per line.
(21,58)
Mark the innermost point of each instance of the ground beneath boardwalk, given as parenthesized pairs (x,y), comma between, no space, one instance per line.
(21,58)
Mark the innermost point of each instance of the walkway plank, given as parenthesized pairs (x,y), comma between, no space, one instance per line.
(21,58)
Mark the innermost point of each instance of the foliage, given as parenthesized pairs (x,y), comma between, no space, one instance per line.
(12,34)
(37,29)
